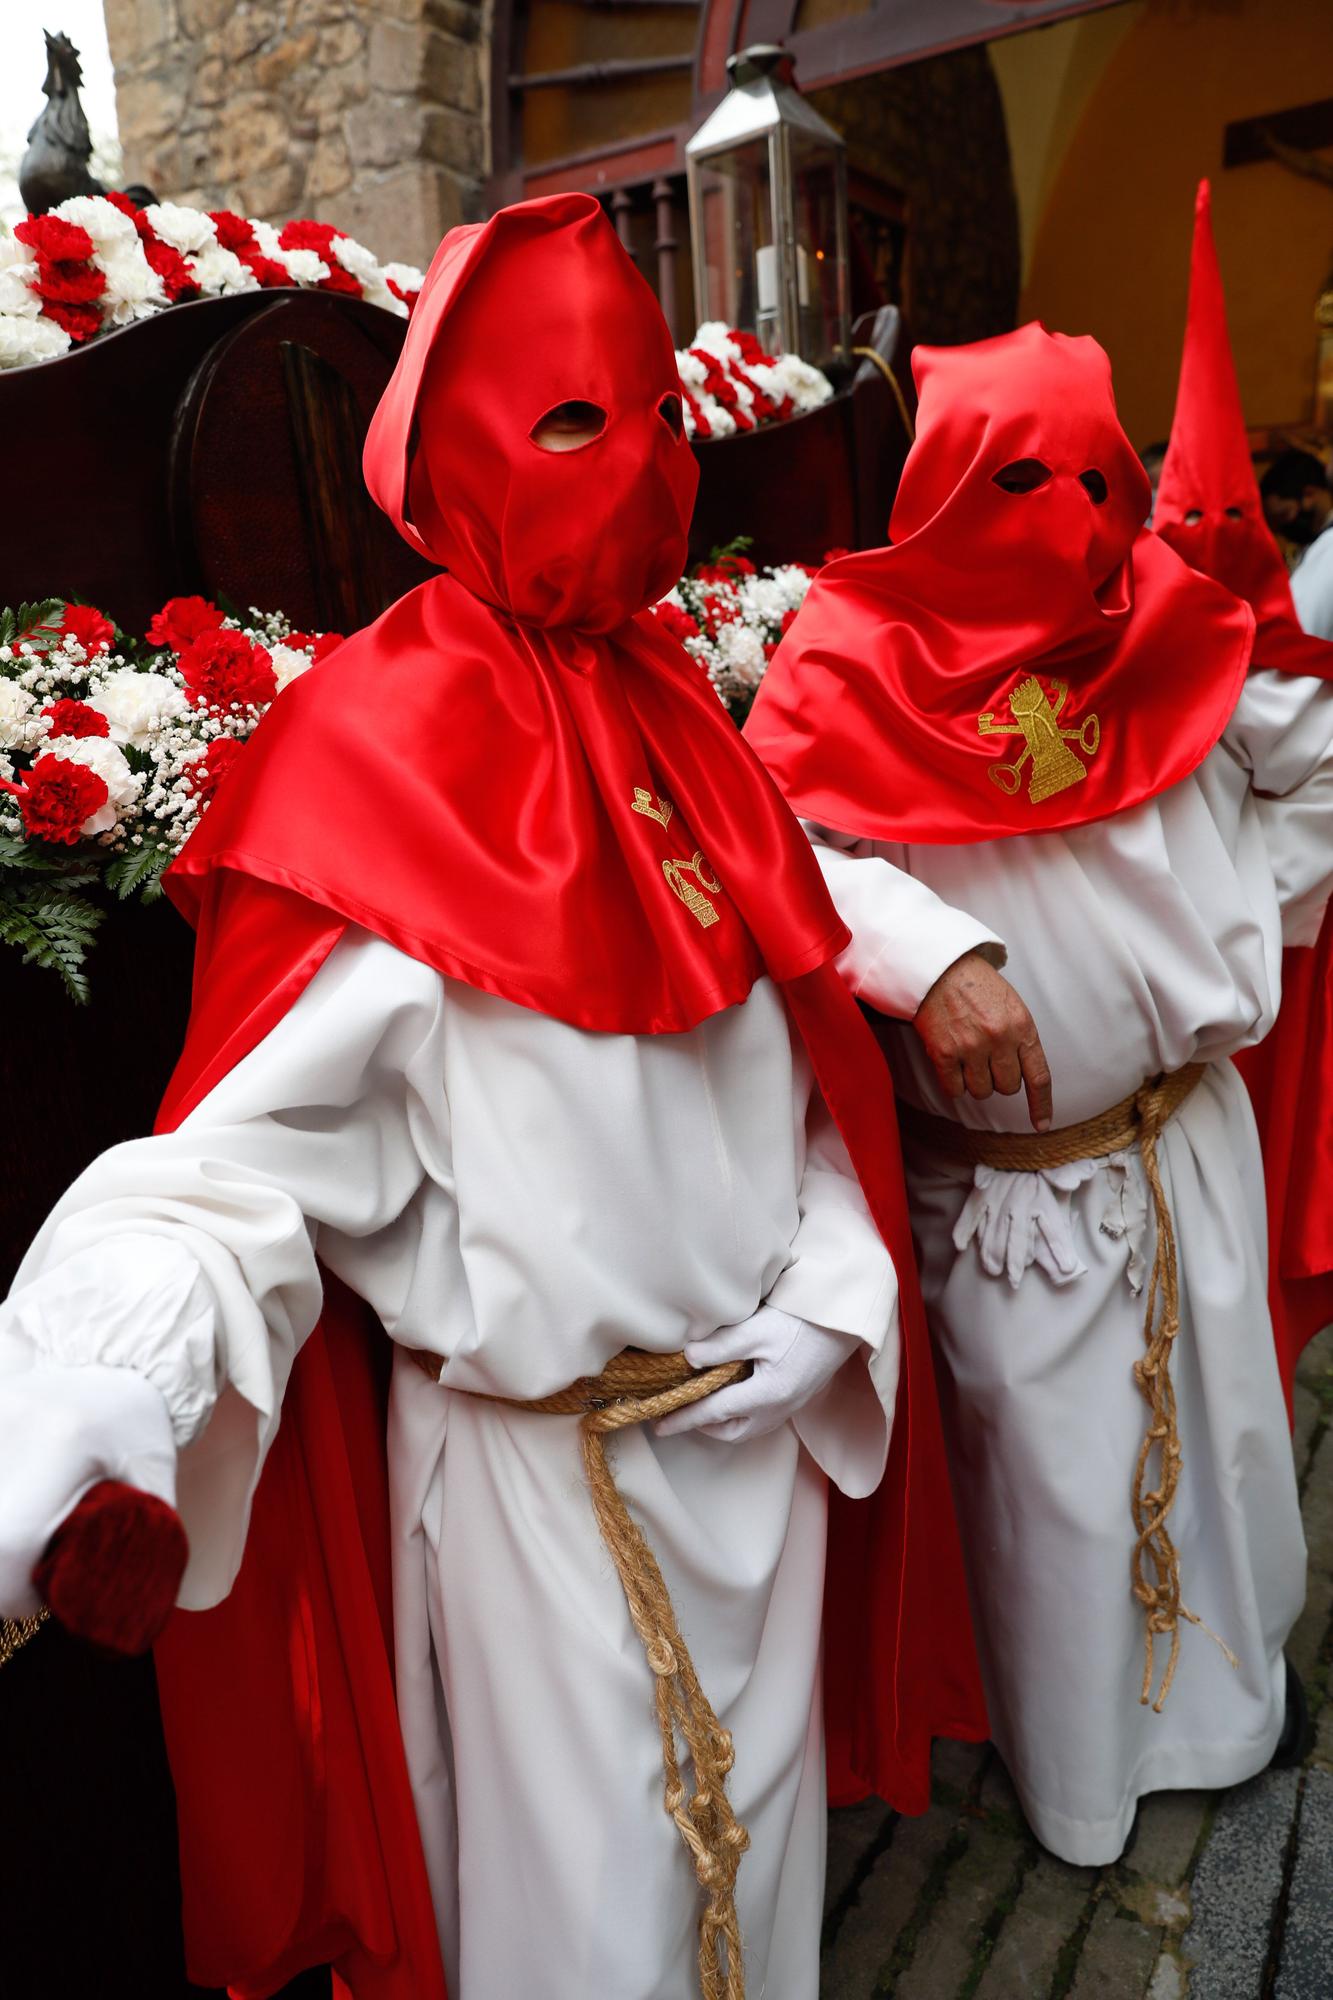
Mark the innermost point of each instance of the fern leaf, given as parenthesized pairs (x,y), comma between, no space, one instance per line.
(51,929)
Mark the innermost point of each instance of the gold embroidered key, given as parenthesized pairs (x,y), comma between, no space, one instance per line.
(1036,714)
(677,872)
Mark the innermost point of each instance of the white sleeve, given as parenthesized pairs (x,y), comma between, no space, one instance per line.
(903,935)
(841,1276)
(190,1257)
(1283,730)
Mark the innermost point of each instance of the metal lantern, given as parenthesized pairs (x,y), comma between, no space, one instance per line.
(768,212)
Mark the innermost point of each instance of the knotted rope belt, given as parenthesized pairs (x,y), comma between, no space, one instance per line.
(636,1388)
(1134,1124)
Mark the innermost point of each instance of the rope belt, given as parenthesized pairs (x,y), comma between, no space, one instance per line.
(1135,1123)
(636,1388)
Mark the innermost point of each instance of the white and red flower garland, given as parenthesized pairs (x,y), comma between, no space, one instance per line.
(111,748)
(729,616)
(99,261)
(730,384)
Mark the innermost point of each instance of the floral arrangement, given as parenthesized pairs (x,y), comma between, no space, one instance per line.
(100,261)
(730,384)
(729,616)
(111,748)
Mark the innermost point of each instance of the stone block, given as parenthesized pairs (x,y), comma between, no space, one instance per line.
(272,195)
(1169,1980)
(1306,1968)
(1317,1508)
(329,170)
(200,17)
(251,137)
(1166,1834)
(415,61)
(210,82)
(997,1789)
(454,138)
(1050,1905)
(1307,1635)
(273,67)
(1236,1888)
(401,215)
(383,135)
(340,42)
(331,91)
(1118,1956)
(151,105)
(977,1885)
(1323,1747)
(1307,1411)
(246,29)
(885,1904)
(135,27)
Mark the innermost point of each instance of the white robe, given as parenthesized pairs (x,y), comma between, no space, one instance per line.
(1141,943)
(524,1199)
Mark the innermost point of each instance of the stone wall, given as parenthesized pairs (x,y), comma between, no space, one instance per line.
(367,113)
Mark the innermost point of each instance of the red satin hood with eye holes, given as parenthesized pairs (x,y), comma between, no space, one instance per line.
(1208,504)
(1025,656)
(515,774)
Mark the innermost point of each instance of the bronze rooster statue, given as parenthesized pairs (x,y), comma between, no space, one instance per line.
(59,144)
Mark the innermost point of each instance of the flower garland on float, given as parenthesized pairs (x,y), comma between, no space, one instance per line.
(111,748)
(730,615)
(97,262)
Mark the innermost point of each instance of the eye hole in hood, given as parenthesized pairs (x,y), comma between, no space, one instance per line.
(1094,485)
(1024,475)
(566,426)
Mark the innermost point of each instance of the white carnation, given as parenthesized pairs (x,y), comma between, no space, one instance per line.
(188,230)
(289,662)
(20,724)
(307,267)
(408,279)
(364,266)
(133,288)
(17,272)
(266,236)
(807,386)
(98,754)
(137,706)
(25,340)
(104,222)
(217,270)
(793,583)
(715,338)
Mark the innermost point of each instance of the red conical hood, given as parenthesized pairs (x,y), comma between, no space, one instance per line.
(1208,505)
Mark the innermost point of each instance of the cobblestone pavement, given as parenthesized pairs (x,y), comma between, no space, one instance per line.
(1219,1896)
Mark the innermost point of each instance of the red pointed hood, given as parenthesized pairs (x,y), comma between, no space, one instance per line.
(1208,505)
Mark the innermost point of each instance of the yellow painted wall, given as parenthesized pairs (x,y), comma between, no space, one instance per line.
(1108,251)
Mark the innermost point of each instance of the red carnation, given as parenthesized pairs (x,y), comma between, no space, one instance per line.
(68,284)
(59,242)
(342,281)
(318,644)
(267,270)
(124,204)
(409,299)
(207,772)
(79,322)
(56,797)
(675,621)
(702,427)
(835,555)
(182,619)
(178,279)
(86,623)
(226,670)
(234,232)
(75,718)
(788,619)
(316,236)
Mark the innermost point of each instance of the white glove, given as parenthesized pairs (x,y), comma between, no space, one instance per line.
(61,1430)
(1021,1219)
(793,1361)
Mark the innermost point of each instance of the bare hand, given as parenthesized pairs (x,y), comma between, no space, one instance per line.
(981,1037)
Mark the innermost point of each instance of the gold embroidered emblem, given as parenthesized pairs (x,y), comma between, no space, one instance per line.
(1045,744)
(642,802)
(691,893)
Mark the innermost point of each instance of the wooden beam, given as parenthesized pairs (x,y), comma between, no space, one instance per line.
(1307,126)
(620,69)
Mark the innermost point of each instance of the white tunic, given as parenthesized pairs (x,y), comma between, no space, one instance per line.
(524,1199)
(1141,943)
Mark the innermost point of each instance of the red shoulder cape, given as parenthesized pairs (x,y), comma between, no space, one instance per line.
(298,1836)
